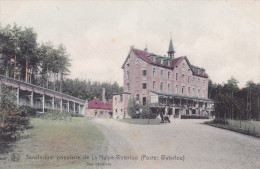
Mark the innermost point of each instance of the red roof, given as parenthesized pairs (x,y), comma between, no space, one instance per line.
(97,104)
(174,62)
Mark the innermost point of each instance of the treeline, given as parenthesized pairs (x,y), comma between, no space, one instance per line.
(232,102)
(24,59)
(86,89)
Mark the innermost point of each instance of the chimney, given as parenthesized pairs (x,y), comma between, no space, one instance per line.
(146,49)
(103,95)
(131,47)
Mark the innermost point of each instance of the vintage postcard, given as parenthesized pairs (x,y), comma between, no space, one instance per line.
(130,84)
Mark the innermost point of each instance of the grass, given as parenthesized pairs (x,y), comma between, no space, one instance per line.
(76,137)
(245,127)
(155,121)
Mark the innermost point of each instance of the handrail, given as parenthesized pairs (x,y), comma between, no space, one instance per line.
(42,88)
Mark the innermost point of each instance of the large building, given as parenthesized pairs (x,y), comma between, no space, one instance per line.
(167,82)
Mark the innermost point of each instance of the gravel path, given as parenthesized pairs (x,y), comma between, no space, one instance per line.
(190,144)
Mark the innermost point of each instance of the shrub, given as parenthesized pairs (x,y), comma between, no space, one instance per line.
(133,109)
(147,113)
(30,111)
(193,117)
(14,120)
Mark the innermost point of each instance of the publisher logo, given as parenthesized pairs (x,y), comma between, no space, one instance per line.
(15,157)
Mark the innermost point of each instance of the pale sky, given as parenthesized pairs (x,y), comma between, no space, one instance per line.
(221,36)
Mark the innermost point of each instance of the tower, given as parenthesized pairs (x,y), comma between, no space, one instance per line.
(171,50)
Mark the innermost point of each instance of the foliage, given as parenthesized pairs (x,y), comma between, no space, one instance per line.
(86,89)
(14,120)
(133,109)
(231,102)
(193,117)
(24,59)
(147,113)
(137,111)
(59,115)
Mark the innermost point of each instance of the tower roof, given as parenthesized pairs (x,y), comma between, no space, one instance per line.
(170,47)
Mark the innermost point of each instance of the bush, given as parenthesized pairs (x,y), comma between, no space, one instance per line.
(14,119)
(137,111)
(133,109)
(193,117)
(220,121)
(147,113)
(30,111)
(59,115)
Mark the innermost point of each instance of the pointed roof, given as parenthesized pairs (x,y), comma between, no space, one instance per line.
(170,47)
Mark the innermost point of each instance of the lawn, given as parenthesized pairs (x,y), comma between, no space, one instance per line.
(155,121)
(73,138)
(245,127)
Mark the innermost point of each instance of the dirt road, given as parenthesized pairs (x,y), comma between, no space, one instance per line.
(187,144)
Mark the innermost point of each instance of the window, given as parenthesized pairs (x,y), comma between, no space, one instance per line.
(203,93)
(161,73)
(188,90)
(128,87)
(137,97)
(188,79)
(144,85)
(121,111)
(161,61)
(203,82)
(169,63)
(121,98)
(189,71)
(176,89)
(169,75)
(183,78)
(153,85)
(161,86)
(198,81)
(144,72)
(183,66)
(144,100)
(137,61)
(153,72)
(198,92)
(193,92)
(193,80)
(169,88)
(127,74)
(176,76)
(182,89)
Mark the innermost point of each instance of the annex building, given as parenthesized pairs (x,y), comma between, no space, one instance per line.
(167,82)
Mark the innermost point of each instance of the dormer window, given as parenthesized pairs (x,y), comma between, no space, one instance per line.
(161,61)
(169,63)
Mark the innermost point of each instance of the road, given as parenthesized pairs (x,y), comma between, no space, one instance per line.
(189,143)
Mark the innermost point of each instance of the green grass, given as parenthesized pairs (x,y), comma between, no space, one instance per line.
(142,121)
(245,127)
(75,137)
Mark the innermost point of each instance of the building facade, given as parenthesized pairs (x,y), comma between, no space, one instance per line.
(172,84)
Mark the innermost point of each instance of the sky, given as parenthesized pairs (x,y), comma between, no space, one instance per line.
(221,36)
